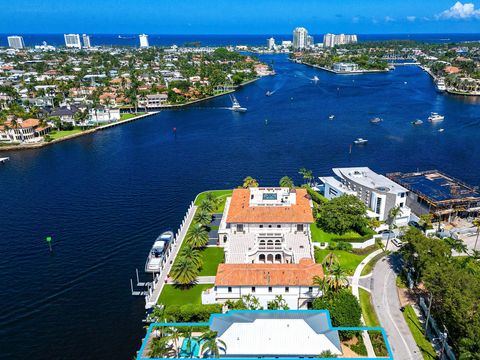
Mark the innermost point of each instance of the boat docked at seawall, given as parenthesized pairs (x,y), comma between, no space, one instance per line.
(236,105)
(440,85)
(157,253)
(360,141)
(435,117)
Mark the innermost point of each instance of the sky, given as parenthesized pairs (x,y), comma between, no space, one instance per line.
(238,16)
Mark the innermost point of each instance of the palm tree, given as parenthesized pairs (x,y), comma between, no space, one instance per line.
(286,182)
(322,283)
(476,222)
(184,271)
(392,215)
(202,217)
(174,336)
(207,206)
(329,260)
(161,348)
(211,344)
(307,175)
(456,244)
(337,278)
(278,303)
(193,255)
(249,182)
(251,302)
(215,200)
(197,236)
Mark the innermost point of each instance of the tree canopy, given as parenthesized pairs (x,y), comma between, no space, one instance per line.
(342,214)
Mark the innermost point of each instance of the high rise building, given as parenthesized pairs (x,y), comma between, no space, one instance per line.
(143,41)
(16,42)
(86,41)
(331,40)
(72,41)
(271,43)
(300,38)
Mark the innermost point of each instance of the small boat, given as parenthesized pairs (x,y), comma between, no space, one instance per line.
(155,257)
(376,120)
(331,117)
(269,93)
(435,117)
(315,78)
(360,141)
(417,122)
(441,130)
(4,159)
(236,105)
(440,84)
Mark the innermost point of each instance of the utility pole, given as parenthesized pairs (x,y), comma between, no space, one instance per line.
(428,314)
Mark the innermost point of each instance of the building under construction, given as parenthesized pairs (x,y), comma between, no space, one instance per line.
(440,194)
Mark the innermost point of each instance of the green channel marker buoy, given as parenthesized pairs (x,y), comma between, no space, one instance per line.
(49,241)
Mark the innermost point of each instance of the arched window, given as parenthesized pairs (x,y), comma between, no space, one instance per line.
(278,258)
(270,243)
(270,258)
(261,258)
(224,238)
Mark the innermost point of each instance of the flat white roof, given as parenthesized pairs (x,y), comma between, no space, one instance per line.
(334,182)
(368,178)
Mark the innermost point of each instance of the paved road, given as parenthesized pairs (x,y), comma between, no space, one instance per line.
(387,304)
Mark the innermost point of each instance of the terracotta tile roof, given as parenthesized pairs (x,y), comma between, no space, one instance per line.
(241,212)
(25,123)
(268,274)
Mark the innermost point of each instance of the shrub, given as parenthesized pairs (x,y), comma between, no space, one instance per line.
(192,312)
(316,197)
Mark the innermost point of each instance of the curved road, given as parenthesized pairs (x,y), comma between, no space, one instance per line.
(387,304)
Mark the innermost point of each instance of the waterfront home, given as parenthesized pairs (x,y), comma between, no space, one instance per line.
(378,193)
(23,131)
(66,113)
(345,67)
(155,100)
(266,281)
(103,114)
(267,225)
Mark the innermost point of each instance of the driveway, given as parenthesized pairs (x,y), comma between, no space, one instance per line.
(387,304)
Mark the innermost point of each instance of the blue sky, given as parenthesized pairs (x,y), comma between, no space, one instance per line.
(238,16)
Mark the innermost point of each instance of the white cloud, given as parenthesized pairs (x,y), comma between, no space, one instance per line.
(411,18)
(460,11)
(389,19)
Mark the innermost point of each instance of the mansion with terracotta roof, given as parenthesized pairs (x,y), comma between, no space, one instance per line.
(28,131)
(267,226)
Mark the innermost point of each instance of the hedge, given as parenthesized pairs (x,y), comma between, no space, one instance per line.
(192,312)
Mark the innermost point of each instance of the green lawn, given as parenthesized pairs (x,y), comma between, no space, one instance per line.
(57,134)
(211,257)
(418,333)
(173,295)
(348,261)
(371,264)
(369,314)
(126,116)
(222,194)
(318,235)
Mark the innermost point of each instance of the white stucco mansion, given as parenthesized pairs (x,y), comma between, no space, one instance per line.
(267,225)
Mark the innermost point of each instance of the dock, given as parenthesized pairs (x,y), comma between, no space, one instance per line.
(154,289)
(4,159)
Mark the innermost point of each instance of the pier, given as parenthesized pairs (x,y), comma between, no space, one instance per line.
(154,289)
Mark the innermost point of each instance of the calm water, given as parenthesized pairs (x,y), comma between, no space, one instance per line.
(105,197)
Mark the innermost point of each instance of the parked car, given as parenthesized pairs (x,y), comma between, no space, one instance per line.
(415,225)
(397,242)
(386,233)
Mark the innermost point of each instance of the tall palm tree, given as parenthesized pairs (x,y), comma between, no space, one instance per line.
(322,283)
(215,200)
(329,260)
(456,244)
(207,206)
(249,182)
(192,254)
(184,271)
(202,217)
(211,344)
(161,348)
(392,215)
(174,336)
(307,175)
(476,222)
(197,236)
(286,182)
(337,279)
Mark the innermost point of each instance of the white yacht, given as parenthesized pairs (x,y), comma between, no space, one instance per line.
(331,117)
(157,253)
(435,117)
(376,120)
(236,105)
(440,84)
(360,141)
(417,122)
(315,78)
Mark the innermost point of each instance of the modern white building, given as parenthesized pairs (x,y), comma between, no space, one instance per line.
(345,67)
(272,334)
(271,43)
(86,41)
(103,114)
(331,40)
(16,42)
(300,38)
(379,193)
(267,225)
(155,100)
(294,282)
(72,41)
(143,41)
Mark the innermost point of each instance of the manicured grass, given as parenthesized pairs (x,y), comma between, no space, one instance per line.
(318,235)
(418,333)
(211,257)
(378,343)
(369,314)
(173,295)
(222,194)
(57,134)
(348,261)
(126,116)
(371,264)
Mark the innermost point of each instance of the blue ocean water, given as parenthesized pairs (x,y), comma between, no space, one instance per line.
(105,197)
(223,40)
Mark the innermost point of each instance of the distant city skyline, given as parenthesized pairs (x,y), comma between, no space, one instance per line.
(246,17)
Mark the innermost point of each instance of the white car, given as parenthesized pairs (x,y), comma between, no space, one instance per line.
(397,242)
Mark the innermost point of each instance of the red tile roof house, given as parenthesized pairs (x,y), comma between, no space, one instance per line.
(23,131)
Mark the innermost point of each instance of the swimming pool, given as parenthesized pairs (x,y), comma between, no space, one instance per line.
(190,347)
